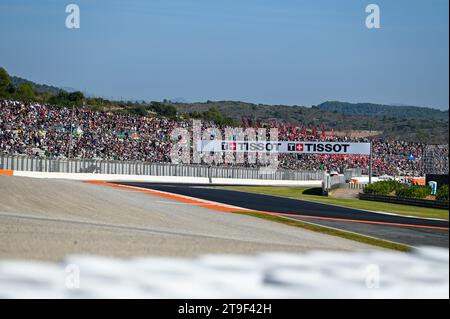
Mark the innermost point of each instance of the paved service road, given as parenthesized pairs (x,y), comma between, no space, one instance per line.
(402,229)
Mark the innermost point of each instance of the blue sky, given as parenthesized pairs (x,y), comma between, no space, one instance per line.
(265,51)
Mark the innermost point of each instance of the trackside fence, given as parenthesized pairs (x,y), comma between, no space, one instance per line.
(405,201)
(63,165)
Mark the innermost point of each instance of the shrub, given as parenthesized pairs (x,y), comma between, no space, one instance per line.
(383,187)
(415,191)
(442,193)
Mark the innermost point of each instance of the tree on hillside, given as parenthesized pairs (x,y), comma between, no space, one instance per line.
(5,81)
(76,97)
(25,92)
(422,136)
(213,114)
(67,99)
(164,109)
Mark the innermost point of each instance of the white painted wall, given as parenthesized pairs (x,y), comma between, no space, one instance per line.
(166,179)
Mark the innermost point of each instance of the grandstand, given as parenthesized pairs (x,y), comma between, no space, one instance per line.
(40,130)
(435,159)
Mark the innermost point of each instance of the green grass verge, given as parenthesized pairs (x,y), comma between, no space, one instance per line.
(331,231)
(314,194)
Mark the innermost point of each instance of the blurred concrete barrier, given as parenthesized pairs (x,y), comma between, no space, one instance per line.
(424,273)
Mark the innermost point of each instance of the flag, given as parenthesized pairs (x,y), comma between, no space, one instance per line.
(78,132)
(283,128)
(136,136)
(244,123)
(303,130)
(60,129)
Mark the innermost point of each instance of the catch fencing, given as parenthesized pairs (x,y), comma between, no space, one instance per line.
(63,165)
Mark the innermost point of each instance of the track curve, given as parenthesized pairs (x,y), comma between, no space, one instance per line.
(403,229)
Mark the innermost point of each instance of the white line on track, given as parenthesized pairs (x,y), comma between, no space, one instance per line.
(188,204)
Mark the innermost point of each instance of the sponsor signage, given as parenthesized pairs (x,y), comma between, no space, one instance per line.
(284,147)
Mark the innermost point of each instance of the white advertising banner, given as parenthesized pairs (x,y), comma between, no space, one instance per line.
(295,147)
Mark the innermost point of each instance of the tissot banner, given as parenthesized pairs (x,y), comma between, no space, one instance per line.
(284,147)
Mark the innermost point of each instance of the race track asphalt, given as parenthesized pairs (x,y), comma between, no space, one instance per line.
(50,219)
(406,230)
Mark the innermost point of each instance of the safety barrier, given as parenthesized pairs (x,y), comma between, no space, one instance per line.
(355,186)
(86,166)
(406,201)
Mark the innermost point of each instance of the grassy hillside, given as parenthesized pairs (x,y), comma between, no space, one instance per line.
(425,129)
(403,112)
(39,88)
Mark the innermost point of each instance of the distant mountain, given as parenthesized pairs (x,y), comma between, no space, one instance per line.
(431,126)
(40,88)
(178,100)
(390,111)
(70,89)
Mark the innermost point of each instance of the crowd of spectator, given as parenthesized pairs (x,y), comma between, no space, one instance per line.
(41,130)
(436,159)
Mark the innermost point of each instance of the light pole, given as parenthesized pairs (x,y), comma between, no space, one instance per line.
(71,132)
(370,163)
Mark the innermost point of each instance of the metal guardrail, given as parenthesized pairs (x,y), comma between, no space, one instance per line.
(406,201)
(41,164)
(355,186)
(330,183)
(348,186)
